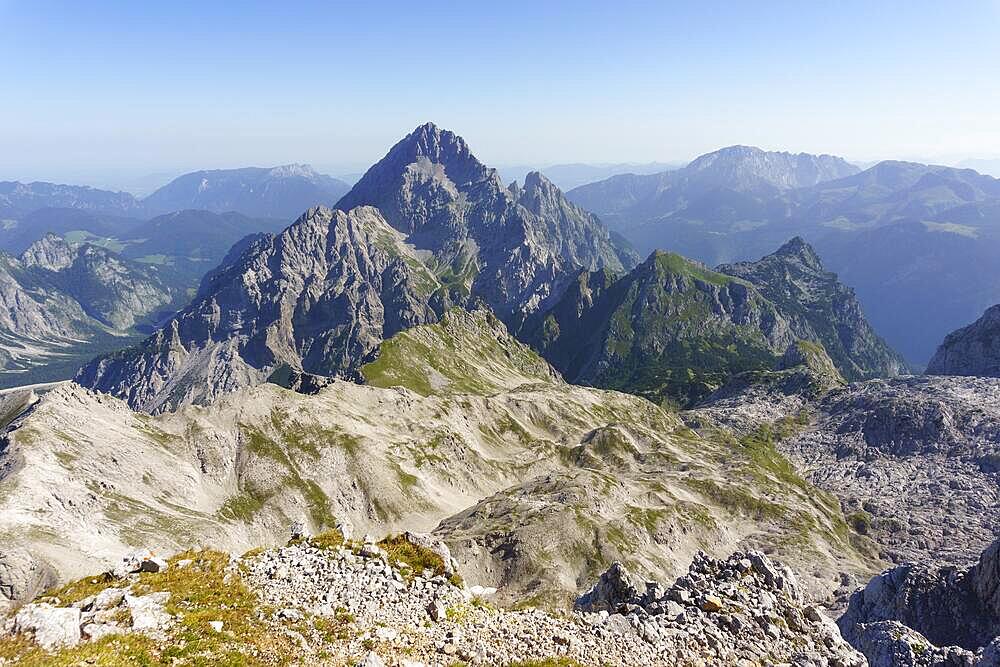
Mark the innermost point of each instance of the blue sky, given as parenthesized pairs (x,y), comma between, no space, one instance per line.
(162,86)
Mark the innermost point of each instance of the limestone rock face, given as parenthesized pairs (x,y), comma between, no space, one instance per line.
(614,589)
(50,627)
(513,248)
(972,350)
(916,614)
(22,576)
(318,298)
(913,460)
(820,308)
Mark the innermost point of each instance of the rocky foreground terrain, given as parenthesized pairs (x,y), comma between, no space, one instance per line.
(321,601)
(913,460)
(917,614)
(535,484)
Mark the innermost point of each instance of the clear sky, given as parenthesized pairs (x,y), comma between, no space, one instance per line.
(166,85)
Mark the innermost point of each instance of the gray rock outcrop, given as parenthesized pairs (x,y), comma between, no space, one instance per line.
(57,298)
(972,350)
(514,248)
(22,576)
(920,615)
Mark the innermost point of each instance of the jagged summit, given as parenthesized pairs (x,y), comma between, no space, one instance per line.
(820,308)
(798,249)
(49,252)
(512,244)
(438,145)
(425,146)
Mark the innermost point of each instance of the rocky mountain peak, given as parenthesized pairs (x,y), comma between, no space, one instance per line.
(748,167)
(820,308)
(319,297)
(439,146)
(525,242)
(798,250)
(49,252)
(536,180)
(417,184)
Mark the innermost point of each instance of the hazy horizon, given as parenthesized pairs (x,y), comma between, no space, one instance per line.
(112,92)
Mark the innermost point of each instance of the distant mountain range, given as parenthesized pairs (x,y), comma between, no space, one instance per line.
(911,239)
(184,244)
(278,192)
(19,199)
(62,303)
(575,174)
(907,237)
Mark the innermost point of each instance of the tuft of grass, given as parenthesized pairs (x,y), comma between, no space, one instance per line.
(734,498)
(244,506)
(126,650)
(206,590)
(418,558)
(77,590)
(330,539)
(860,521)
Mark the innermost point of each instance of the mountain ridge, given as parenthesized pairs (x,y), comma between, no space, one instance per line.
(675,329)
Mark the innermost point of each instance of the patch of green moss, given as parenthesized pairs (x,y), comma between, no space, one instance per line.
(407,482)
(330,539)
(200,593)
(736,499)
(316,500)
(148,427)
(243,507)
(671,262)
